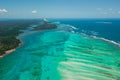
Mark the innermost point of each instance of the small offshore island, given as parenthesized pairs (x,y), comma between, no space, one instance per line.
(10,29)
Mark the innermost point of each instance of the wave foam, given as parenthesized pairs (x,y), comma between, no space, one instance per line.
(44,19)
(73,27)
(90,32)
(65,27)
(104,22)
(84,32)
(107,40)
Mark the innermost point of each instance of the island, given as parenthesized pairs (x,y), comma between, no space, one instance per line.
(10,29)
(45,25)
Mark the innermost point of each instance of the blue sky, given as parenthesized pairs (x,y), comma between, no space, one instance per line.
(60,8)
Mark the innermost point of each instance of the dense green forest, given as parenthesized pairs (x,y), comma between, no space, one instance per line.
(45,26)
(9,29)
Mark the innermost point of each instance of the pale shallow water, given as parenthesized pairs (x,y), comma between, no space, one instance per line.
(61,55)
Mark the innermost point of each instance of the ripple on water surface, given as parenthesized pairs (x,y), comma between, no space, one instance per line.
(59,55)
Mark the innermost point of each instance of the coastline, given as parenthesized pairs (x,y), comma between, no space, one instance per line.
(10,31)
(45,26)
(7,52)
(11,50)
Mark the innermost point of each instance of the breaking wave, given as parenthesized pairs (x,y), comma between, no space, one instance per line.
(92,34)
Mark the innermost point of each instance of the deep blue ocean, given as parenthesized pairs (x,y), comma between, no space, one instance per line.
(107,28)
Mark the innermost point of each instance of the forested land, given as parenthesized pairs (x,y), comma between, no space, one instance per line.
(9,30)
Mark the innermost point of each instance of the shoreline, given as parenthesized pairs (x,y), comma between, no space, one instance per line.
(11,50)
(7,52)
(16,41)
(45,26)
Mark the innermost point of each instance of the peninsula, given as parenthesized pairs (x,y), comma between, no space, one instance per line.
(10,29)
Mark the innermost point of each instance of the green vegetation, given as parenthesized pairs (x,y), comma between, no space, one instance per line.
(45,26)
(9,30)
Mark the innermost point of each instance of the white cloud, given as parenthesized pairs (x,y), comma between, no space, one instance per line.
(118,12)
(2,11)
(99,9)
(105,13)
(34,11)
(110,9)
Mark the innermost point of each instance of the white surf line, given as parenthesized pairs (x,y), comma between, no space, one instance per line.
(107,40)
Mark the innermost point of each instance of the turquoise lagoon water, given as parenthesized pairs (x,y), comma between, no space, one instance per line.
(61,54)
